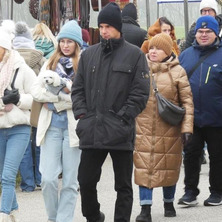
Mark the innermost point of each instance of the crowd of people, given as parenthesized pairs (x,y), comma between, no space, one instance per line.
(66,105)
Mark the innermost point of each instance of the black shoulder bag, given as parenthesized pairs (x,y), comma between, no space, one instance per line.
(11,96)
(168,111)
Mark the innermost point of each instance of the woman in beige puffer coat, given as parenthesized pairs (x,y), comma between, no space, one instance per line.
(158,148)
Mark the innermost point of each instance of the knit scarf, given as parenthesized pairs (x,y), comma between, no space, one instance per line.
(6,70)
(65,68)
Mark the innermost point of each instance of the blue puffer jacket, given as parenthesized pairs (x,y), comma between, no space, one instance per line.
(206,83)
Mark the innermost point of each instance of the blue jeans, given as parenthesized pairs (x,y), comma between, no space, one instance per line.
(38,176)
(26,170)
(29,167)
(57,156)
(146,194)
(13,143)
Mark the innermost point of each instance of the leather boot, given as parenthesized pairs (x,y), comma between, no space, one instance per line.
(145,214)
(4,217)
(14,215)
(169,210)
(100,219)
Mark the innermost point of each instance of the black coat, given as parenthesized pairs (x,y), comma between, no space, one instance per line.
(111,88)
(132,32)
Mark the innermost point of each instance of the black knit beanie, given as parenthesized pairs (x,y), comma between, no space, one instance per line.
(111,15)
(130,10)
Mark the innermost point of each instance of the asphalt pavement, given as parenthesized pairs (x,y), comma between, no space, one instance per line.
(32,205)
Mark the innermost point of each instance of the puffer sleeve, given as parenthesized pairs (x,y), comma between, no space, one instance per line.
(186,100)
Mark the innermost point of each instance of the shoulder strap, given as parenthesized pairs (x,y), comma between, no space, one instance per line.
(13,81)
(155,89)
(199,62)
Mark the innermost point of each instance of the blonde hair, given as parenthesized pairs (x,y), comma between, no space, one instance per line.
(42,31)
(54,59)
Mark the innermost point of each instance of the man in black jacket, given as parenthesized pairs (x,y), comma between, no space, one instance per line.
(131,30)
(111,88)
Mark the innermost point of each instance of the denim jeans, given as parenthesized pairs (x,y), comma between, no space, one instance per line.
(29,167)
(13,143)
(37,174)
(36,157)
(57,156)
(146,194)
(26,170)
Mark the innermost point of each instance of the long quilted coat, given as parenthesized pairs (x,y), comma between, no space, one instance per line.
(158,148)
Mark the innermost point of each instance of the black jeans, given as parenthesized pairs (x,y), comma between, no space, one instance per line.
(192,157)
(89,175)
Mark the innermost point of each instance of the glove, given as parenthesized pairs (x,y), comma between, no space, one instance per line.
(186,138)
(11,96)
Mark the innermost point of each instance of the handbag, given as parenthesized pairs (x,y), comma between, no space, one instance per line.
(168,111)
(11,96)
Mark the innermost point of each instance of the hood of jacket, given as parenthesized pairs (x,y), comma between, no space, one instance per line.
(129,20)
(219,19)
(155,29)
(32,56)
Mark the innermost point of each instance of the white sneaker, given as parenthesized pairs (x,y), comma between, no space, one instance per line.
(4,217)
(14,215)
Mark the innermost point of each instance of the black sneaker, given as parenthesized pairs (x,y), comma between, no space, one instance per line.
(188,199)
(213,200)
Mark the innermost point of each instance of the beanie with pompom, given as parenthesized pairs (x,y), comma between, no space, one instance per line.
(22,29)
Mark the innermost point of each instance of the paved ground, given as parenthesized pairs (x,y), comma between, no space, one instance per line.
(32,205)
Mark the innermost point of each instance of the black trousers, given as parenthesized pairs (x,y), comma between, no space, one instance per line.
(213,137)
(89,175)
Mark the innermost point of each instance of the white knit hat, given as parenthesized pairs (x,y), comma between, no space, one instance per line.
(7,30)
(209,4)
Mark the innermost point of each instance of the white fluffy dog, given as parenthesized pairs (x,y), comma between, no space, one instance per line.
(51,78)
(55,84)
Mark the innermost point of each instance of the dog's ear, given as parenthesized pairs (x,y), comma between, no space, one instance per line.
(57,80)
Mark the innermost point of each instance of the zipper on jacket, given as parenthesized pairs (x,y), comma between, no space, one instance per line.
(208,74)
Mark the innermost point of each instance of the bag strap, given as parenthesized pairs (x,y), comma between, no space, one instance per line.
(13,81)
(155,89)
(202,58)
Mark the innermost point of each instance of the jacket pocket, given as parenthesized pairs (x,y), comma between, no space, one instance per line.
(122,68)
(85,129)
(116,130)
